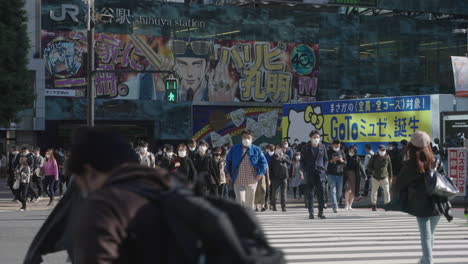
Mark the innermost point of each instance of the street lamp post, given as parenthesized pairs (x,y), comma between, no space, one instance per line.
(90,65)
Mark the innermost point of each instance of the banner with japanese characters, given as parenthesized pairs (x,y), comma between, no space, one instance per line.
(458,168)
(358,122)
(221,125)
(216,71)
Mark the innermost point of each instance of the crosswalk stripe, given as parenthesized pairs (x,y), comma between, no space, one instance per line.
(360,236)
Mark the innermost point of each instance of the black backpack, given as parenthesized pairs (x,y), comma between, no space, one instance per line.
(211,230)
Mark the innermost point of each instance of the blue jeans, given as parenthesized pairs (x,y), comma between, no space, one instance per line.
(336,188)
(427,226)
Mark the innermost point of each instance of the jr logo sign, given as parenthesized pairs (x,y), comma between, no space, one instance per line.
(67,9)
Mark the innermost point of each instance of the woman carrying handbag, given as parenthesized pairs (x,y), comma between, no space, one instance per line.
(23,178)
(414,197)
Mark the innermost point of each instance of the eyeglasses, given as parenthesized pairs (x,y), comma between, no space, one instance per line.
(199,48)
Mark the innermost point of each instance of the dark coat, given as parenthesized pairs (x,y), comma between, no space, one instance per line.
(279,169)
(314,163)
(186,171)
(410,189)
(206,170)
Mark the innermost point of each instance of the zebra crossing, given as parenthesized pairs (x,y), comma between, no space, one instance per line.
(360,236)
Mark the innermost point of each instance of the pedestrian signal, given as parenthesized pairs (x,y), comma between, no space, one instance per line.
(171,91)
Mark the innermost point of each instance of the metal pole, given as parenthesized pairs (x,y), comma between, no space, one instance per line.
(90,66)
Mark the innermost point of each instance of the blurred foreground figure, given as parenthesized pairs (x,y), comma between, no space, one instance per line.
(122,212)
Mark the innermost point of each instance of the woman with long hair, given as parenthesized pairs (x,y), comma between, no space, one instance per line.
(51,174)
(353,171)
(23,175)
(417,202)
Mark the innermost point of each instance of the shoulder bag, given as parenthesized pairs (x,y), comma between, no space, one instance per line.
(440,185)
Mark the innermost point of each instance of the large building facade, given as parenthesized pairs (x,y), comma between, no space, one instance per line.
(236,66)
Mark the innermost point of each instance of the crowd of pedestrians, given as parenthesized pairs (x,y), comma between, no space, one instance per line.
(31,176)
(255,178)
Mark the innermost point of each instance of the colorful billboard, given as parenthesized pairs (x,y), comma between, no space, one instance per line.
(207,70)
(363,121)
(220,125)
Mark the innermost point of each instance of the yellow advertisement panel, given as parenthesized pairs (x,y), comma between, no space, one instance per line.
(367,121)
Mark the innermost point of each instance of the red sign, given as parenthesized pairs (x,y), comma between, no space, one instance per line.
(458,167)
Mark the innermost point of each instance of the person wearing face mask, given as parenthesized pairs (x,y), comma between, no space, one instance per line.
(51,174)
(296,175)
(184,166)
(208,179)
(380,167)
(288,150)
(245,166)
(146,157)
(219,157)
(354,171)
(192,148)
(396,157)
(168,158)
(279,175)
(335,170)
(314,163)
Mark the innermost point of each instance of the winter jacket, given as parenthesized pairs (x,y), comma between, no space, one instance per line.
(380,167)
(411,190)
(118,225)
(254,155)
(279,168)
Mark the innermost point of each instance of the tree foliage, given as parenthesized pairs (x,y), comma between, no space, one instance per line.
(16,91)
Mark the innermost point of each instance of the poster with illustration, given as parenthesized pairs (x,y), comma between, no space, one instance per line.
(127,67)
(221,125)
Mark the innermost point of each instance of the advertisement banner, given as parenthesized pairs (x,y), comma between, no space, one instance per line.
(206,69)
(460,75)
(458,168)
(358,122)
(221,125)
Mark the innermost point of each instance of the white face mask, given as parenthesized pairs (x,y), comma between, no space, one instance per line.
(202,149)
(47,156)
(169,154)
(390,148)
(351,154)
(315,141)
(336,149)
(144,150)
(382,152)
(182,153)
(286,145)
(192,148)
(271,153)
(246,142)
(279,152)
(298,158)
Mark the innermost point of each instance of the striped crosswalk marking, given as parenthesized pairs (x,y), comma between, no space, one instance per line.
(361,236)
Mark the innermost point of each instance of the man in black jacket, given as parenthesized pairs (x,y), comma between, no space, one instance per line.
(335,170)
(279,174)
(314,163)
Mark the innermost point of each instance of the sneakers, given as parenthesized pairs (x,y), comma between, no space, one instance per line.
(264,209)
(374,208)
(335,210)
(311,216)
(283,209)
(22,209)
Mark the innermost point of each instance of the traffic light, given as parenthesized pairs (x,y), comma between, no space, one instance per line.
(171,90)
